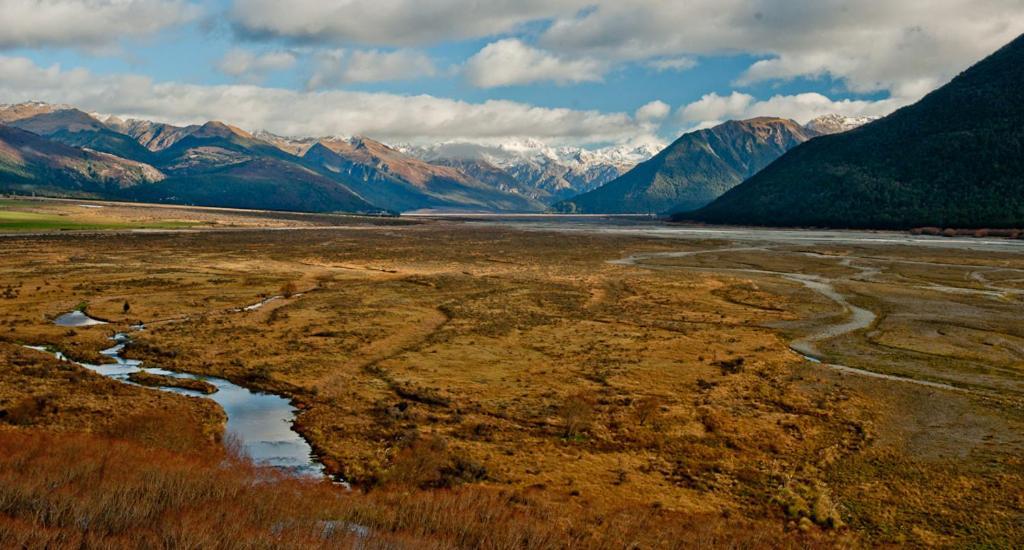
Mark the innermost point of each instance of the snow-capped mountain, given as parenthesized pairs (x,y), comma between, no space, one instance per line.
(535,169)
(836,124)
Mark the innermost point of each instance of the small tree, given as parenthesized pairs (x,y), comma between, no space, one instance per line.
(127,307)
(577,412)
(647,409)
(289,289)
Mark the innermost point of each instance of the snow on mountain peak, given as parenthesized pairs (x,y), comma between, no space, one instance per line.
(836,123)
(516,152)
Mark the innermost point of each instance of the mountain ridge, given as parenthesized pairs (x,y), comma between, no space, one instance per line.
(693,170)
(953,159)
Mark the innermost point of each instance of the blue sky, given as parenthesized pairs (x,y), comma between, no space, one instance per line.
(564,71)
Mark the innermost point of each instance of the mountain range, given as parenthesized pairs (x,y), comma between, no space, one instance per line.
(536,170)
(702,165)
(954,159)
(217,164)
(58,149)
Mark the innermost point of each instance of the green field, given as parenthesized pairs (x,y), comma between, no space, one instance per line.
(14,217)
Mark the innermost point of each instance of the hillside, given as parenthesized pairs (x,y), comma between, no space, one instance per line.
(694,170)
(396,181)
(30,163)
(154,136)
(79,129)
(260,183)
(954,159)
(214,165)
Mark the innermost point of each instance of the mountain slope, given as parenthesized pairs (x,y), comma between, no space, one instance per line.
(79,129)
(394,180)
(694,170)
(30,163)
(261,183)
(216,165)
(954,159)
(213,146)
(541,172)
(155,136)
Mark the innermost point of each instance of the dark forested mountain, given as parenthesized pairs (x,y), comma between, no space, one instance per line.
(954,159)
(694,170)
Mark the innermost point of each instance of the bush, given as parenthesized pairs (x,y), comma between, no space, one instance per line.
(289,289)
(27,411)
(577,413)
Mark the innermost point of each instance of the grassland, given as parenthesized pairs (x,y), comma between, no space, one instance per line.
(439,366)
(28,216)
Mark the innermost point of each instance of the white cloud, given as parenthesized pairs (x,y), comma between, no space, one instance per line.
(713,108)
(394,23)
(251,67)
(510,62)
(906,47)
(653,111)
(672,64)
(389,117)
(86,23)
(334,67)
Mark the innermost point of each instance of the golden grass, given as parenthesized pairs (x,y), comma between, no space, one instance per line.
(73,491)
(438,364)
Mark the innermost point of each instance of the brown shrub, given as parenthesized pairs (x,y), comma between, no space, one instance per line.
(647,409)
(577,413)
(289,289)
(73,491)
(152,430)
(427,462)
(28,411)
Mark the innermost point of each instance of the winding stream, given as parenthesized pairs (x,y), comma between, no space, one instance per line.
(261,423)
(855,318)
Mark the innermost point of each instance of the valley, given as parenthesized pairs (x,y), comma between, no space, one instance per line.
(621,369)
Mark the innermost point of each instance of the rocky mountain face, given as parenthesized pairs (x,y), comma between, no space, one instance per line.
(954,159)
(209,163)
(836,124)
(533,169)
(222,165)
(154,136)
(72,127)
(399,182)
(62,150)
(694,170)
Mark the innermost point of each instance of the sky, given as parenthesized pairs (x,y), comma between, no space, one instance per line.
(575,72)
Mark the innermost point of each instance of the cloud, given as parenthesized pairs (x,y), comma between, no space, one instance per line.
(389,117)
(653,111)
(335,67)
(906,48)
(713,109)
(510,62)
(251,67)
(88,24)
(392,23)
(672,64)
